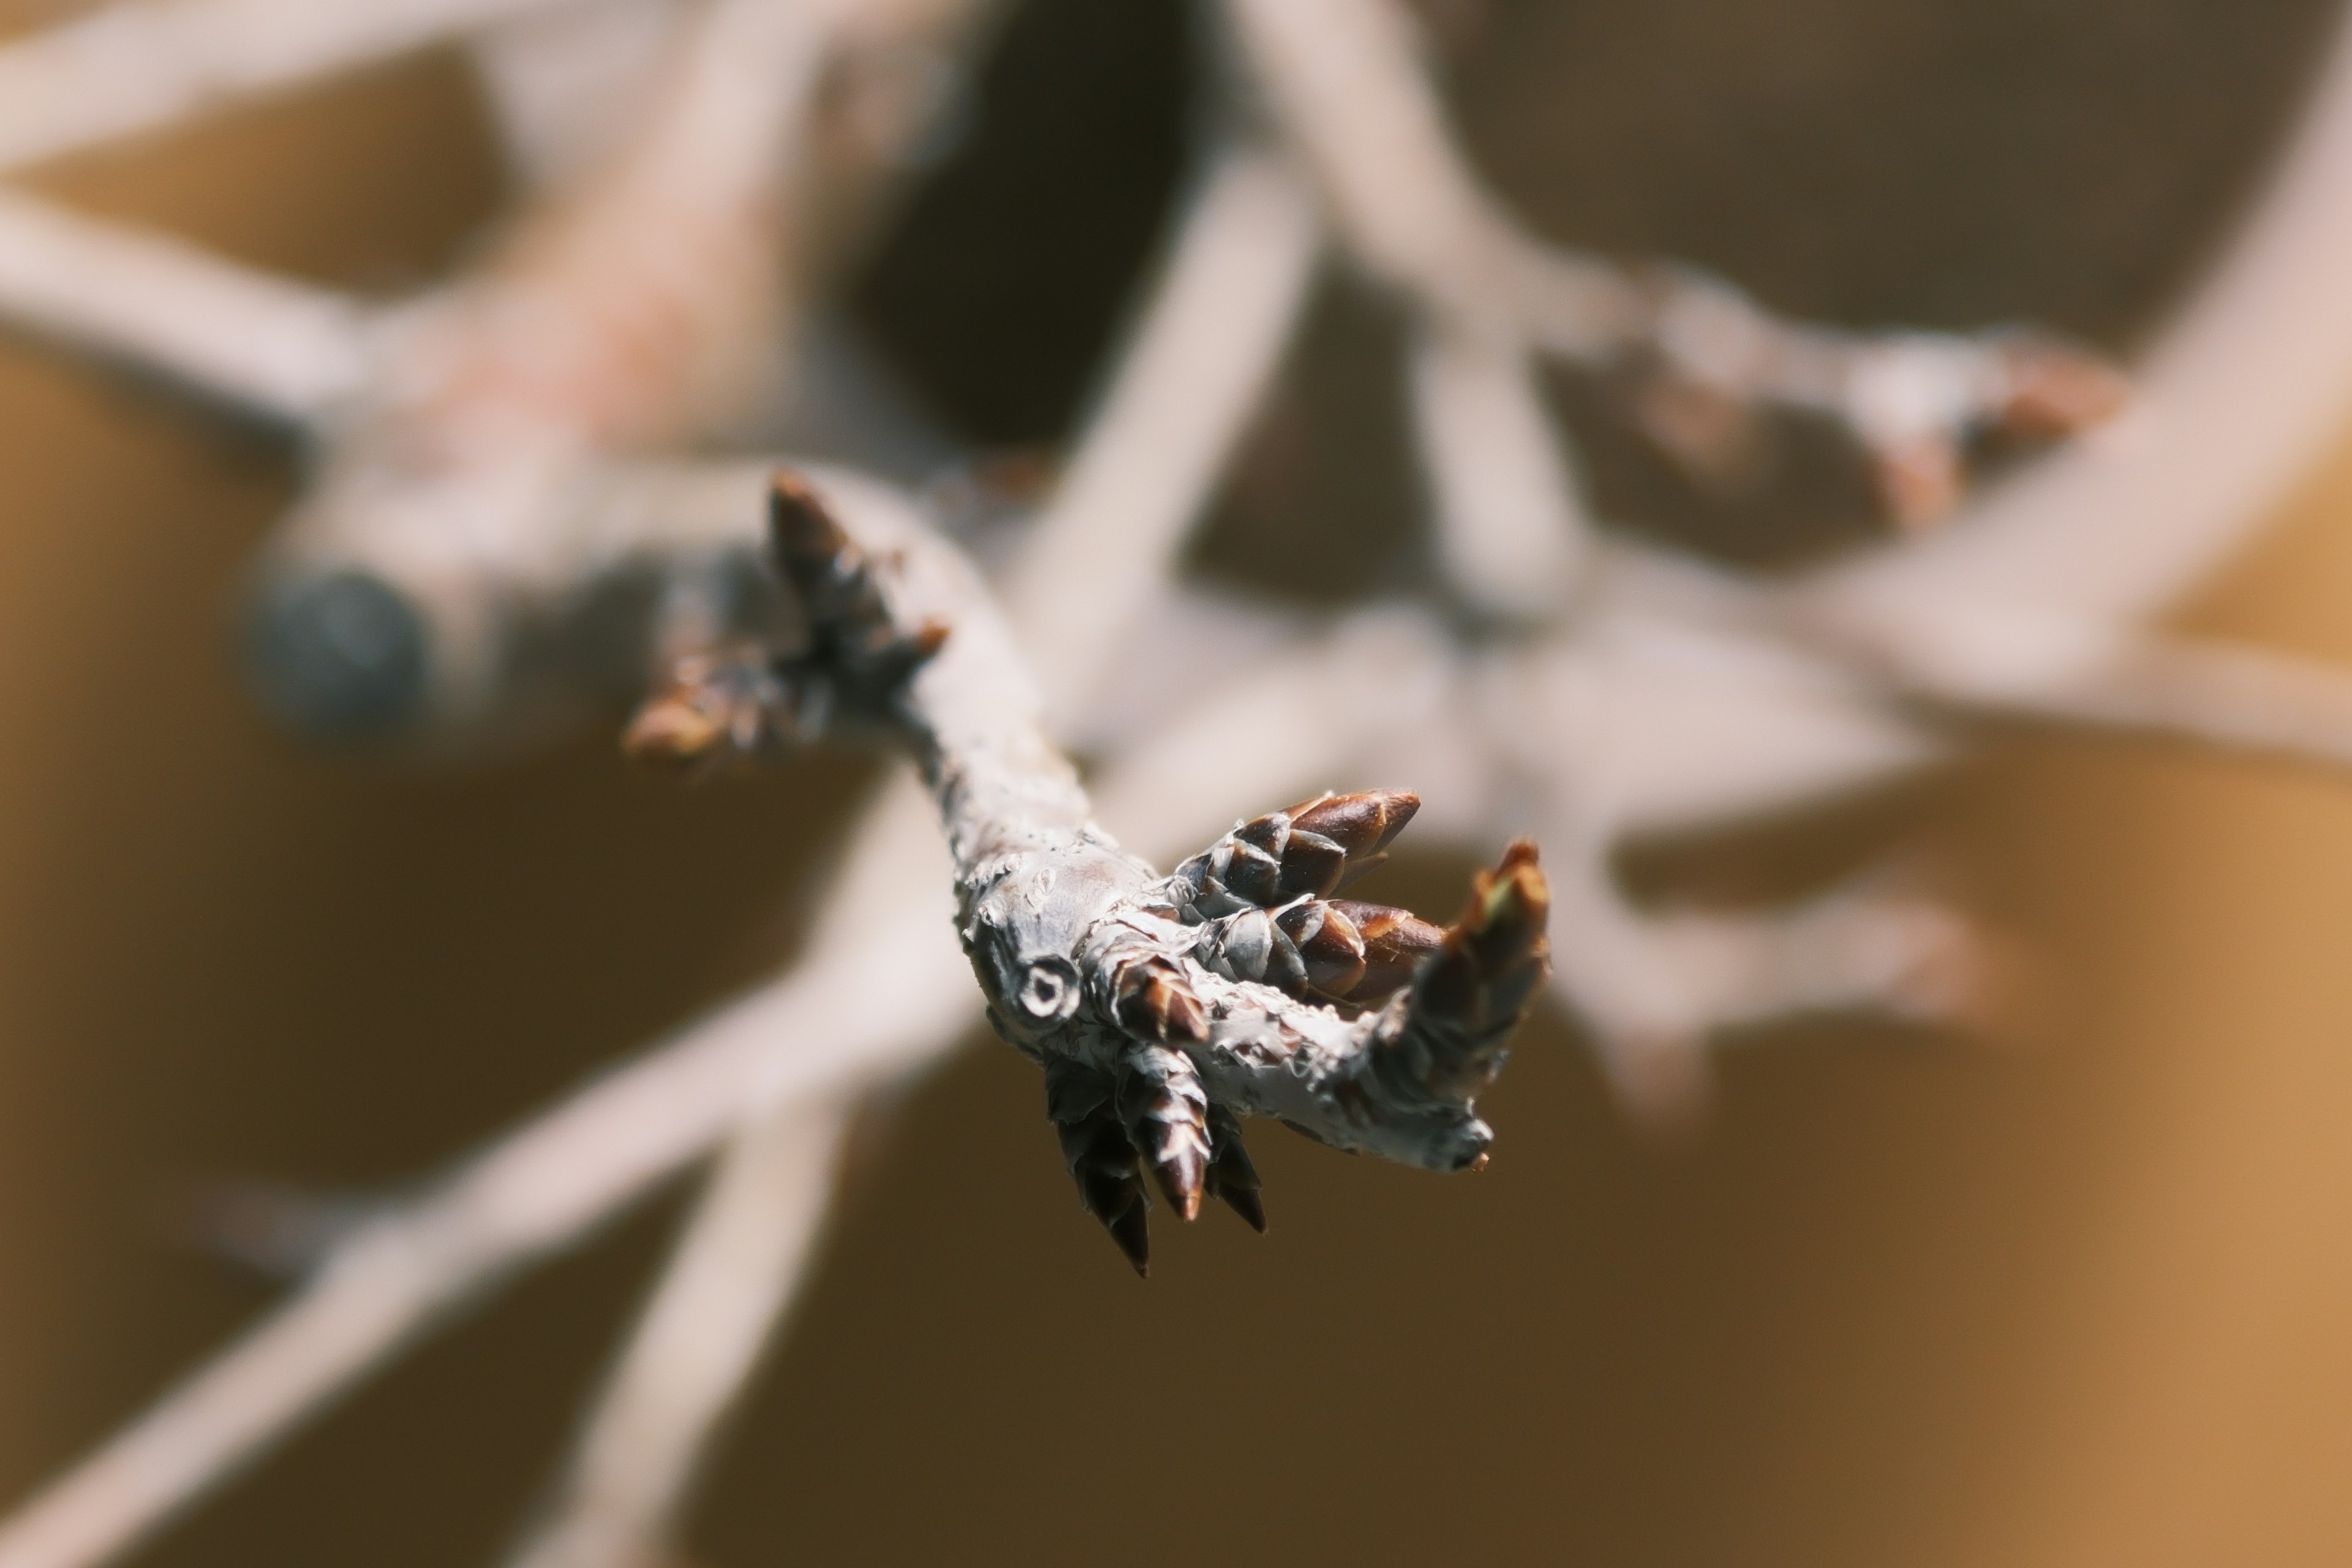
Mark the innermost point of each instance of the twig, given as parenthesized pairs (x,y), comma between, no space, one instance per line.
(2149,684)
(638,311)
(1346,78)
(1188,379)
(2237,400)
(589,1155)
(1512,529)
(719,1299)
(144,65)
(285,350)
(566,82)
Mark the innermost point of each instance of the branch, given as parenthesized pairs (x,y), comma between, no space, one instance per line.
(565,83)
(2244,393)
(287,351)
(1512,527)
(880,991)
(744,1254)
(639,311)
(2013,663)
(143,65)
(1700,357)
(1189,378)
(1161,1008)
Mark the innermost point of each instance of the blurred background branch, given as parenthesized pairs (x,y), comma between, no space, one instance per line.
(529,494)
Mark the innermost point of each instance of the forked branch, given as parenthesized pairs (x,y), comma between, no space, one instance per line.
(1162,1008)
(1699,360)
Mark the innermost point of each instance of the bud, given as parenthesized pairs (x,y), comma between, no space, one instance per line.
(1471,994)
(1329,952)
(718,706)
(1231,1178)
(1359,825)
(1395,940)
(824,568)
(804,536)
(1099,1157)
(1308,851)
(677,730)
(1165,1112)
(1149,998)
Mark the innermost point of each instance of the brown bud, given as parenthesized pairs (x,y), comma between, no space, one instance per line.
(1509,907)
(1130,1232)
(1919,482)
(1361,825)
(1165,1111)
(1150,999)
(675,730)
(1395,943)
(803,533)
(1331,952)
(1100,1159)
(1231,1178)
(824,568)
(1182,1170)
(2056,389)
(722,705)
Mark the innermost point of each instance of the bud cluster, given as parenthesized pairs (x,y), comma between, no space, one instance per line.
(1259,906)
(741,702)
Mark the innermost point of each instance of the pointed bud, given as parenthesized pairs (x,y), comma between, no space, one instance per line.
(724,705)
(1362,824)
(1308,851)
(1130,1232)
(825,569)
(675,730)
(1100,1159)
(1396,942)
(1231,1178)
(1330,950)
(802,533)
(1470,994)
(1509,908)
(1151,999)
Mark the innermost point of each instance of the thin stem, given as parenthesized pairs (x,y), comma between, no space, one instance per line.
(720,1298)
(144,65)
(1188,379)
(289,351)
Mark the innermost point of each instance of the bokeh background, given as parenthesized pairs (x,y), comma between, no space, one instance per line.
(2079,1297)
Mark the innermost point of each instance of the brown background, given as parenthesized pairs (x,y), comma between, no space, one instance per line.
(2078,1300)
